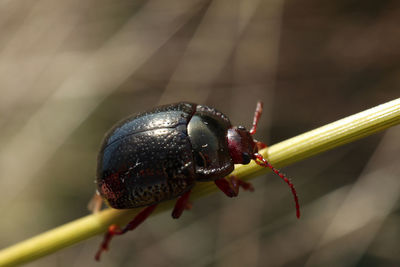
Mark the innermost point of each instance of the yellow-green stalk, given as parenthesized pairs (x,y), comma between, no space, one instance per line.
(284,153)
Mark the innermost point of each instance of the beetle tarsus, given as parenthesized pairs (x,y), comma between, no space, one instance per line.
(95,203)
(112,230)
(245,185)
(189,205)
(181,204)
(224,186)
(237,183)
(260,145)
(116,230)
(231,187)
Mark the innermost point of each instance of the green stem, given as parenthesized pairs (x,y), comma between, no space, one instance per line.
(297,148)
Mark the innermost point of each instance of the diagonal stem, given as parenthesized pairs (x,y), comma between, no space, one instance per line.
(295,149)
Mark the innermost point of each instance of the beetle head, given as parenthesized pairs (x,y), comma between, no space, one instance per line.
(241,144)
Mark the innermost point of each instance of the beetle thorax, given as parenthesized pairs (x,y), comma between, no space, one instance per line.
(241,145)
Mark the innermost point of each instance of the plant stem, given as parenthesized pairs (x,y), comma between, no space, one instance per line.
(284,153)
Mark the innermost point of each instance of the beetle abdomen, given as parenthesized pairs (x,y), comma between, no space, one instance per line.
(147,159)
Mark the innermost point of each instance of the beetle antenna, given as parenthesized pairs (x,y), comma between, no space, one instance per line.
(260,160)
(257,115)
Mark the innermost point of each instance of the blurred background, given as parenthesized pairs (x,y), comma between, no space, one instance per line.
(70,69)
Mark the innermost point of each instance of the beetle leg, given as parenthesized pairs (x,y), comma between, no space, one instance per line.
(189,206)
(260,145)
(225,187)
(95,203)
(237,183)
(181,204)
(116,230)
(231,187)
(257,115)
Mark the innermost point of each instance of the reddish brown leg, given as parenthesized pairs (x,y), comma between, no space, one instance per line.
(260,145)
(181,204)
(115,230)
(189,206)
(257,115)
(95,203)
(245,185)
(231,187)
(225,187)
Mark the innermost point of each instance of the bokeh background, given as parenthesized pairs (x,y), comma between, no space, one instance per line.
(70,69)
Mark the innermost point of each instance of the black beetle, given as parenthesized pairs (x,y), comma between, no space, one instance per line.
(160,154)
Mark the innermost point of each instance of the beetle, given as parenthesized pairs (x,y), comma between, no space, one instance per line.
(160,154)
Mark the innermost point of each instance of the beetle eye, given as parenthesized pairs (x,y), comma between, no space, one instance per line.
(246,158)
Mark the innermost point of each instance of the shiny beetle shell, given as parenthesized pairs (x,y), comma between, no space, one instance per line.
(160,154)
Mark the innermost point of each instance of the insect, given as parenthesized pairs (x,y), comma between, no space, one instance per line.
(160,155)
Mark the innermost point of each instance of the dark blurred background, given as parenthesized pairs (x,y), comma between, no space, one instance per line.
(70,69)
